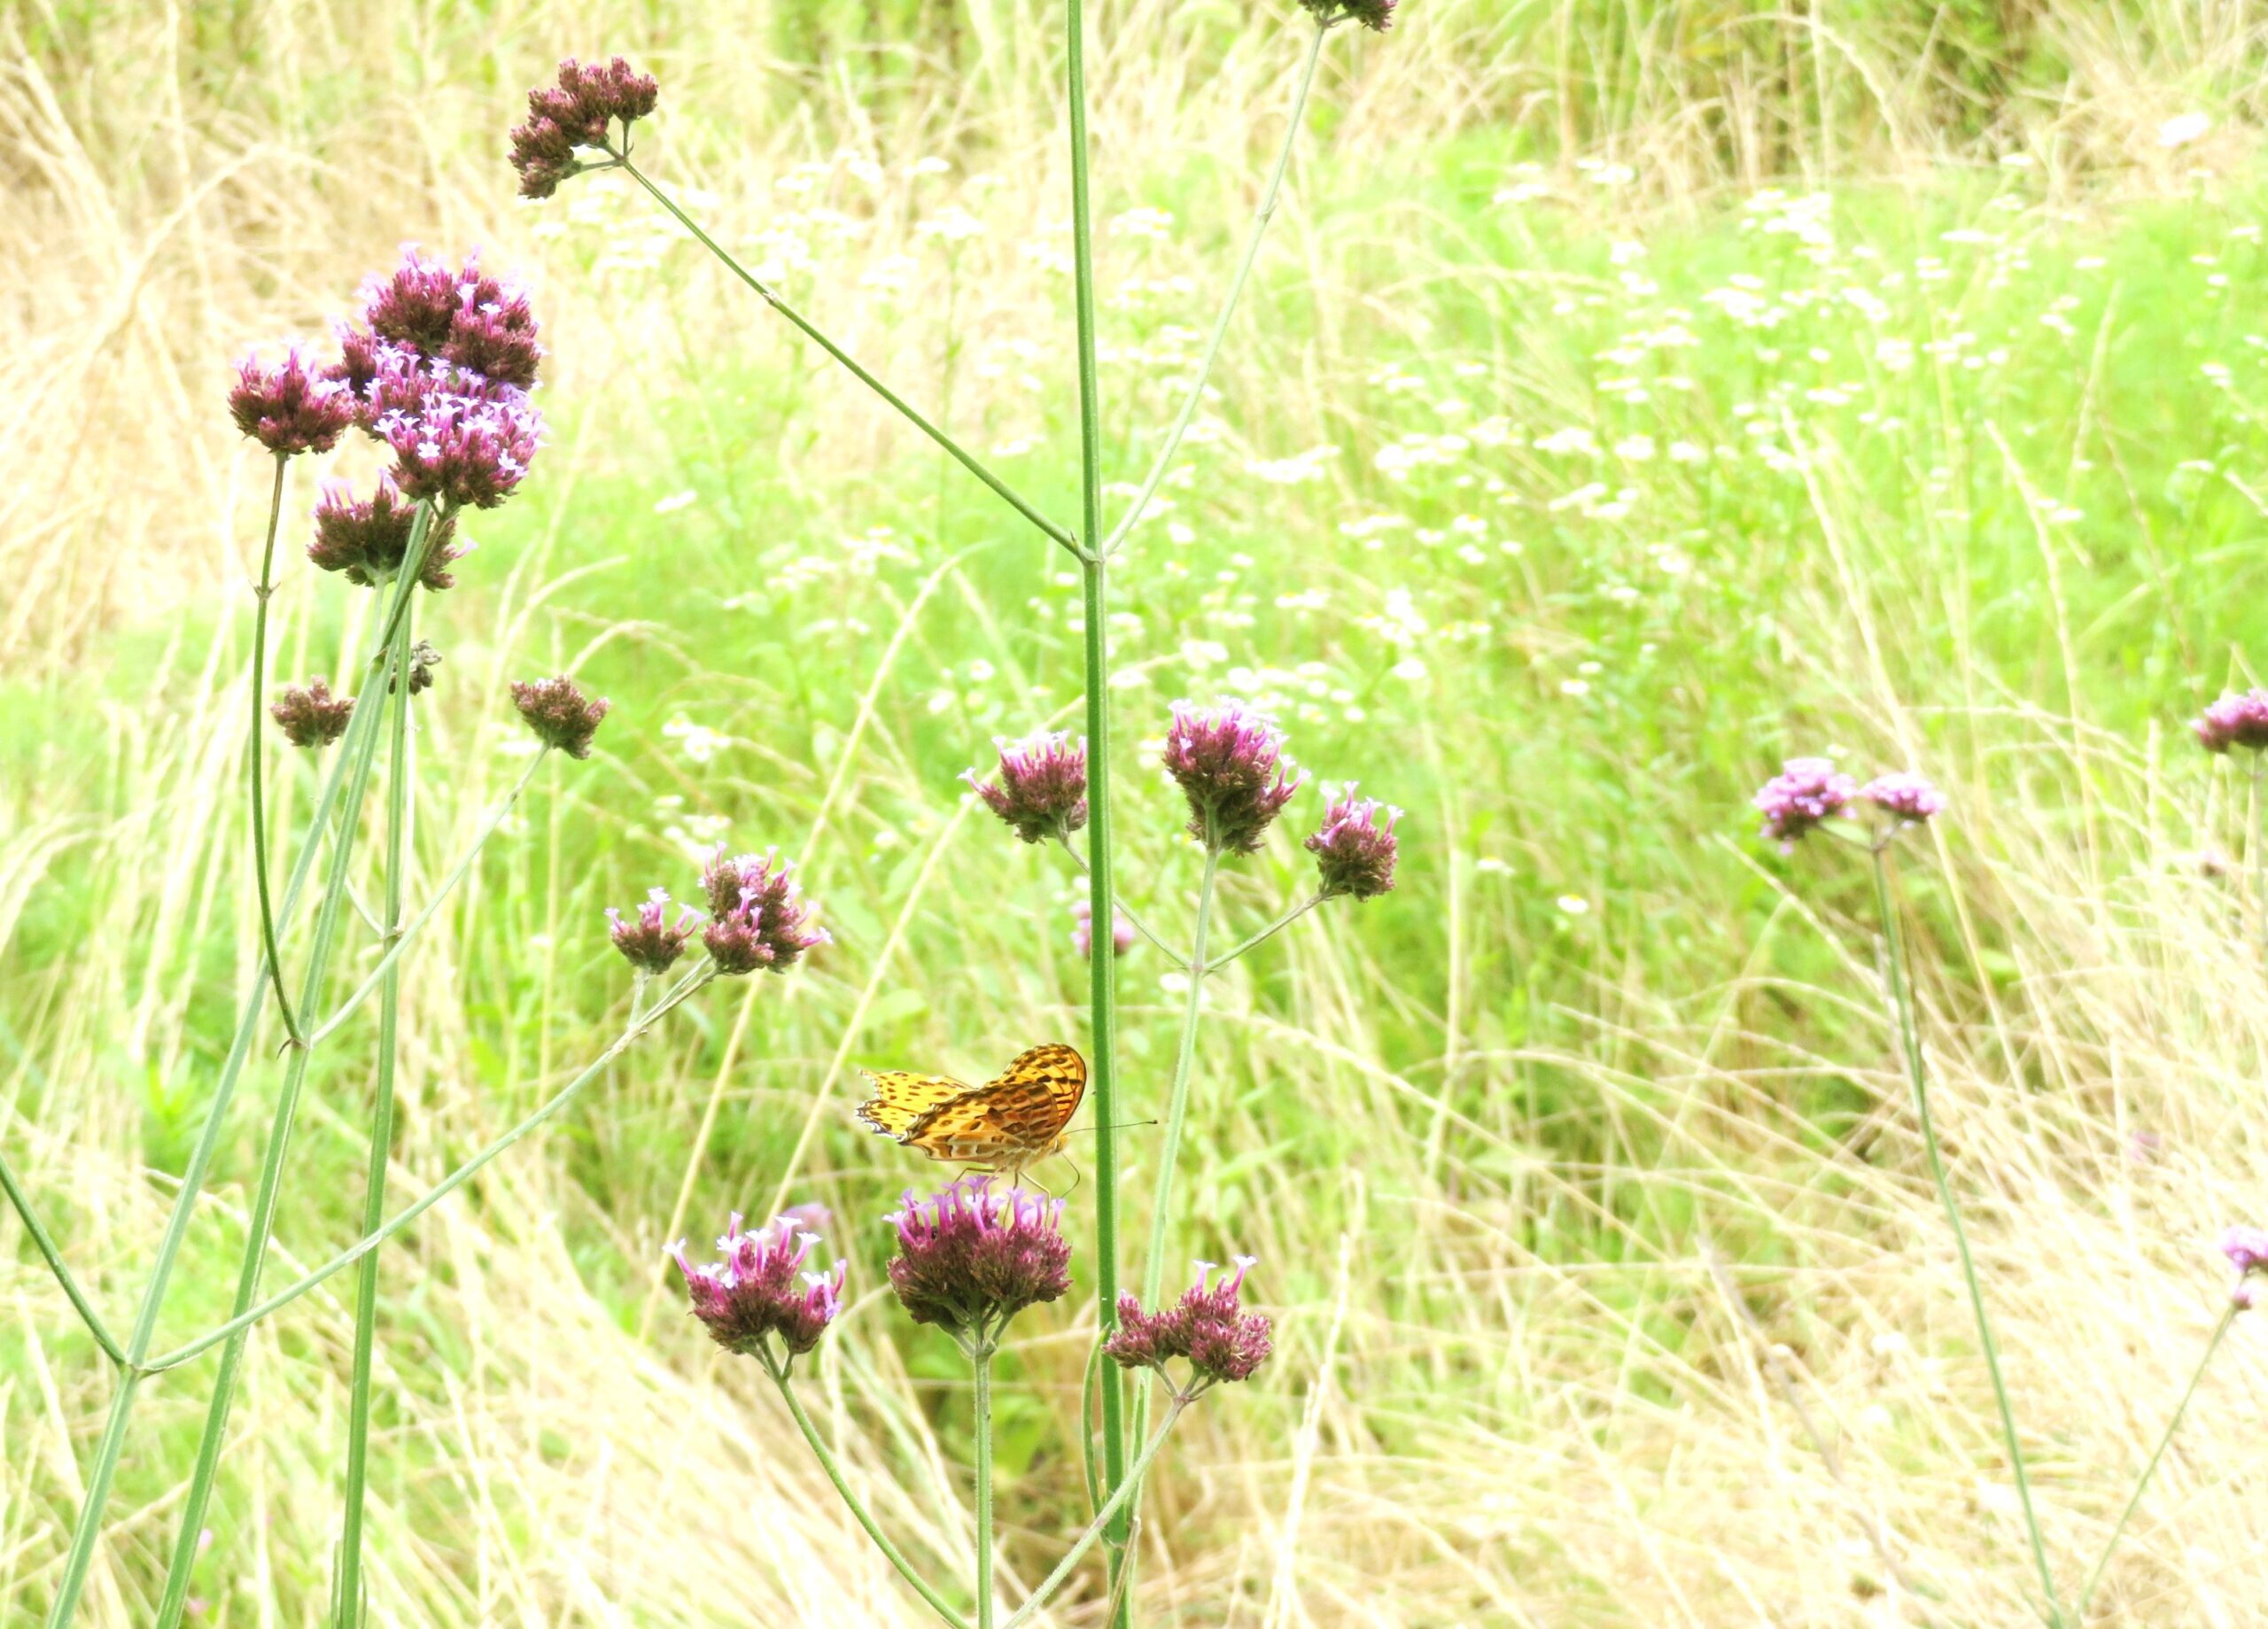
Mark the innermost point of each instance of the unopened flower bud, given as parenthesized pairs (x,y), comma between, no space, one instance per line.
(559,713)
(310,716)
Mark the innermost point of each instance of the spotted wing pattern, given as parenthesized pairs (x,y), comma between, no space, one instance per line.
(1005,1124)
(902,1097)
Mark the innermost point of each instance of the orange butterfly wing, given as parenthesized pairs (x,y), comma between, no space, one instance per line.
(902,1097)
(1006,1122)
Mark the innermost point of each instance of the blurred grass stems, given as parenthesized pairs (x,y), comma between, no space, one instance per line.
(44,1242)
(363,730)
(1909,1041)
(261,594)
(558,1101)
(400,779)
(350,769)
(1102,970)
(1116,1506)
(2142,1483)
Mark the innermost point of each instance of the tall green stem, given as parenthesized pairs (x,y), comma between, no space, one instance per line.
(368,713)
(2213,1344)
(360,740)
(1153,1265)
(982,1358)
(399,778)
(1120,1500)
(1910,1041)
(45,1241)
(261,595)
(1102,967)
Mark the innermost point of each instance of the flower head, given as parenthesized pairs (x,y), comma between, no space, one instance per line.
(1227,761)
(559,713)
(1042,785)
(310,716)
(760,1291)
(2247,1249)
(651,943)
(1083,929)
(367,539)
(969,1259)
(462,449)
(759,920)
(1806,792)
(2235,721)
(1906,798)
(1208,1327)
(290,407)
(1354,853)
(1376,15)
(578,110)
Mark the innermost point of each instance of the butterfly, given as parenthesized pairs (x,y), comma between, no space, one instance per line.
(1003,1126)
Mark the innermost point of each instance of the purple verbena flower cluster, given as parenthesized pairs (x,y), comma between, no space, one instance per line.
(1376,15)
(462,451)
(760,1291)
(759,920)
(2247,1249)
(969,1260)
(310,716)
(290,407)
(1208,1327)
(2235,721)
(579,109)
(1040,787)
(1806,792)
(559,713)
(1904,797)
(1354,853)
(367,539)
(1228,761)
(650,942)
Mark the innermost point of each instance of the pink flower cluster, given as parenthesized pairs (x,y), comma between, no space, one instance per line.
(650,942)
(290,407)
(1083,929)
(1354,853)
(1228,761)
(2235,721)
(578,110)
(559,713)
(1040,787)
(2247,1249)
(1808,792)
(758,918)
(462,451)
(367,539)
(760,1291)
(969,1260)
(1208,1327)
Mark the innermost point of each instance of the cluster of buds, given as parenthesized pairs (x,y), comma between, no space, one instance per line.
(365,540)
(290,407)
(463,318)
(969,1260)
(759,920)
(1354,853)
(579,111)
(2247,1249)
(761,1294)
(559,713)
(1209,1329)
(1040,787)
(310,716)
(1809,792)
(1376,15)
(650,942)
(2235,721)
(1228,761)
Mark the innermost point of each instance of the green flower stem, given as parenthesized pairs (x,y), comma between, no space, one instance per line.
(1265,934)
(1140,926)
(412,568)
(982,1360)
(1112,1508)
(1153,1266)
(261,596)
(1910,1042)
(56,1264)
(360,739)
(2213,1344)
(261,1222)
(441,1189)
(858,1507)
(400,777)
(1260,220)
(401,937)
(967,459)
(1101,895)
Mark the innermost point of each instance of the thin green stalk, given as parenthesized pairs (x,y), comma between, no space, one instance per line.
(261,1222)
(1112,1508)
(858,1507)
(400,777)
(1260,220)
(1265,934)
(1153,1265)
(1140,926)
(1101,895)
(261,595)
(56,1264)
(967,459)
(400,938)
(361,733)
(982,1360)
(441,1190)
(2213,1344)
(1910,1041)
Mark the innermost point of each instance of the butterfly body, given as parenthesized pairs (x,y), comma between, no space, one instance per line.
(1009,1122)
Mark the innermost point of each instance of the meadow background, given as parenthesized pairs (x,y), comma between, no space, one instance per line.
(1629,395)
